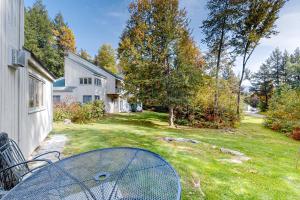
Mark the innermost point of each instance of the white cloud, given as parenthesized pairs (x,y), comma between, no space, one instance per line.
(289,33)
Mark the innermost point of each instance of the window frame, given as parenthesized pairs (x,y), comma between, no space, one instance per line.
(85,81)
(36,92)
(98,82)
(89,96)
(55,96)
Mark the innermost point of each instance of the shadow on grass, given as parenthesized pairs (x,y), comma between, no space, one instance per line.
(145,119)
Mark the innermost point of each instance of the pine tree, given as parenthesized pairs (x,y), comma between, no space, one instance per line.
(262,85)
(161,61)
(39,37)
(293,69)
(257,21)
(106,58)
(276,66)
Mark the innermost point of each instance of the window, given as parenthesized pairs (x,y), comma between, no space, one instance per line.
(36,92)
(97,97)
(85,81)
(56,99)
(98,82)
(87,98)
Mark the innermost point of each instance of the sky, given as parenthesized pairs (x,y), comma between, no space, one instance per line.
(97,22)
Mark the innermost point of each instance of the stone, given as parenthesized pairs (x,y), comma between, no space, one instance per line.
(67,121)
(232,152)
(237,158)
(168,139)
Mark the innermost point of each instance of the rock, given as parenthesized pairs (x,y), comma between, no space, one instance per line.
(237,158)
(168,139)
(67,121)
(232,152)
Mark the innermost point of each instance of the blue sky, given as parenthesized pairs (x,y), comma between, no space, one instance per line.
(96,22)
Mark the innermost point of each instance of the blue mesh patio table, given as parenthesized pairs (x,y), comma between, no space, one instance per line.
(105,174)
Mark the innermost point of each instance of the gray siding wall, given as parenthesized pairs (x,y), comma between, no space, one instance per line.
(11,36)
(27,128)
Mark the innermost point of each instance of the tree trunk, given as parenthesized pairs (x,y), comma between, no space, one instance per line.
(216,98)
(240,88)
(171,116)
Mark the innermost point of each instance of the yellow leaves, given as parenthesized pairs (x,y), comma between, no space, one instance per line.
(67,39)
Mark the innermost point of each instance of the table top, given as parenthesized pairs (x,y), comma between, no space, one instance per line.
(106,174)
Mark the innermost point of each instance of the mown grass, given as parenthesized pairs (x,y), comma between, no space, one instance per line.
(270,174)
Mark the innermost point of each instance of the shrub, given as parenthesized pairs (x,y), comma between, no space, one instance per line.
(79,113)
(200,112)
(284,111)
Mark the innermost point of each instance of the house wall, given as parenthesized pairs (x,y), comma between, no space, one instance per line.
(35,123)
(27,129)
(11,36)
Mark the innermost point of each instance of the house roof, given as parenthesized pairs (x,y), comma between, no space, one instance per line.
(111,73)
(45,70)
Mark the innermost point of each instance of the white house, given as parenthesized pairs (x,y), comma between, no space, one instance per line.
(84,82)
(25,85)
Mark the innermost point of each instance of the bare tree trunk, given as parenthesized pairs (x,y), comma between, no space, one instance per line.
(171,116)
(240,88)
(216,98)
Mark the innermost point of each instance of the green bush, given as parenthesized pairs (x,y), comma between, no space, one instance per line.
(79,113)
(284,111)
(200,112)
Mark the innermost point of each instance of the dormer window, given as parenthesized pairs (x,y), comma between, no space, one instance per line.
(98,82)
(85,81)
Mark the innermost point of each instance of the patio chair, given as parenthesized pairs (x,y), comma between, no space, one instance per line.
(13,166)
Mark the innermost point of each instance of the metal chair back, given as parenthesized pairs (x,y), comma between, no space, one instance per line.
(10,154)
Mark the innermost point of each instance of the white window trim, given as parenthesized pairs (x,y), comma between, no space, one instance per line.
(32,110)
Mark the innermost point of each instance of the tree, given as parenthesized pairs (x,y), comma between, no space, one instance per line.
(106,58)
(257,21)
(293,70)
(39,37)
(64,35)
(161,61)
(85,55)
(217,28)
(64,39)
(277,66)
(262,85)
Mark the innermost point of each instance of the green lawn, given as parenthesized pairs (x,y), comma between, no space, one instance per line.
(270,174)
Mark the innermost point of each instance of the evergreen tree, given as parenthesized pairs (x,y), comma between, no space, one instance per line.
(257,21)
(106,58)
(161,61)
(293,69)
(276,66)
(262,85)
(39,38)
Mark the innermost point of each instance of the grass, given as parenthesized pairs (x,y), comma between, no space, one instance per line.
(270,174)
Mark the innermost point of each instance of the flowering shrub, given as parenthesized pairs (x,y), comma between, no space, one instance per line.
(80,113)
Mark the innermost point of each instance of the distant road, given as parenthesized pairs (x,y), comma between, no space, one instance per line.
(254,114)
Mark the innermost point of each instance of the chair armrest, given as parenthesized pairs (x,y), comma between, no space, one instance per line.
(26,162)
(49,152)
